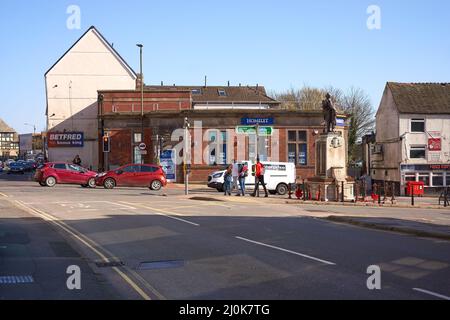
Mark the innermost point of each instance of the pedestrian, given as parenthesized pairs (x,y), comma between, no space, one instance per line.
(259,178)
(228,178)
(243,174)
(77,160)
(235,173)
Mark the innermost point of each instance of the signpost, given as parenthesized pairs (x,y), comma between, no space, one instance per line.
(249,130)
(168,162)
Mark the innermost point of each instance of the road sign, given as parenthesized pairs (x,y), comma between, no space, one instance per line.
(142,146)
(249,130)
(255,121)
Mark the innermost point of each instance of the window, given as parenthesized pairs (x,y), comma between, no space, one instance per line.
(131,169)
(137,155)
(196,91)
(148,169)
(60,166)
(137,137)
(417,153)
(217,149)
(222,93)
(438,179)
(75,168)
(410,178)
(417,125)
(425,178)
(298,147)
(447,179)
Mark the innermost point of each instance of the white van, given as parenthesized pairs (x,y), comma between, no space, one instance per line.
(278,176)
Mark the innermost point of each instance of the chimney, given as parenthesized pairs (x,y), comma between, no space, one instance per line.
(138,81)
(206,81)
(162,83)
(228,83)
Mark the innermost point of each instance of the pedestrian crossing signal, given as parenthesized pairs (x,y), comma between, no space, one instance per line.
(106,144)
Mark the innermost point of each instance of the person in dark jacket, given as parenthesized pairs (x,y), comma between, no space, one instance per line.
(228,180)
(77,160)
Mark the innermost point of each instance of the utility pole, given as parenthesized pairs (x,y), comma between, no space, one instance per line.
(140,46)
(185,156)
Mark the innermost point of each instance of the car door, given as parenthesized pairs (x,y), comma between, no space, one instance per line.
(61,172)
(147,175)
(127,176)
(76,174)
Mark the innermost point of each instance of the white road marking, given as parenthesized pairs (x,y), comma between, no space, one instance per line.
(288,251)
(4,195)
(167,214)
(432,293)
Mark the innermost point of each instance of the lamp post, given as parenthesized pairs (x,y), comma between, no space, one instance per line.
(31,125)
(140,46)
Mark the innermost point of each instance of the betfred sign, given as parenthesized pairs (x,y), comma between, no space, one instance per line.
(434,144)
(66,140)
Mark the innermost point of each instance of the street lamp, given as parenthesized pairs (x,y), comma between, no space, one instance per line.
(140,46)
(31,125)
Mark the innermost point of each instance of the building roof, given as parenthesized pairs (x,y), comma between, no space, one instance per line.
(210,94)
(108,45)
(5,128)
(421,98)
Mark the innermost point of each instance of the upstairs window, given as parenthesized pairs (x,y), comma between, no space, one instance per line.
(417,152)
(196,91)
(417,125)
(222,93)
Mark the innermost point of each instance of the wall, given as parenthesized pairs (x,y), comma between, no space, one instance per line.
(72,86)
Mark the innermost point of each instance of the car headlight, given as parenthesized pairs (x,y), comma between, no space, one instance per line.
(217,175)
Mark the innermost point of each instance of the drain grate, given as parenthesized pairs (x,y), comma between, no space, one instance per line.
(161,265)
(16,279)
(205,199)
(109,264)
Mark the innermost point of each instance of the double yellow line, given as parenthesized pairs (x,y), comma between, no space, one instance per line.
(92,245)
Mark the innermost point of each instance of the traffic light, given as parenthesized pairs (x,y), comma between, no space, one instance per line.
(106,144)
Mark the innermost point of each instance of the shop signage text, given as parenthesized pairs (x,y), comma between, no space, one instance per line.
(257,121)
(249,130)
(66,140)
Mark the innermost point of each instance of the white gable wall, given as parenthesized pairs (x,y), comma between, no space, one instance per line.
(72,86)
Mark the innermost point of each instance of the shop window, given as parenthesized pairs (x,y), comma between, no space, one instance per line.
(417,125)
(447,179)
(298,147)
(417,153)
(438,180)
(410,178)
(137,155)
(425,178)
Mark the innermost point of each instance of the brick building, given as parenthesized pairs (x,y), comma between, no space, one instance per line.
(214,114)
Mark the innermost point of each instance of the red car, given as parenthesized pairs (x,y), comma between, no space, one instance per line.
(51,174)
(134,175)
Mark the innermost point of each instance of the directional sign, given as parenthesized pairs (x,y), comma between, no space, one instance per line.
(249,130)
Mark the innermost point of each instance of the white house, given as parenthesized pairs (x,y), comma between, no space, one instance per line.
(413,135)
(91,64)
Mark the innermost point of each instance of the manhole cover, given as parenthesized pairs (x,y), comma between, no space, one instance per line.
(16,279)
(161,265)
(109,264)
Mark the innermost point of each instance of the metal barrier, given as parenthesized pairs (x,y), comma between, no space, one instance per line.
(445,197)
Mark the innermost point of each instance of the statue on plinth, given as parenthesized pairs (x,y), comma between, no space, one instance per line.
(329,114)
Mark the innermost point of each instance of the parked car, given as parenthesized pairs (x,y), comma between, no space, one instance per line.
(278,176)
(17,167)
(50,174)
(134,175)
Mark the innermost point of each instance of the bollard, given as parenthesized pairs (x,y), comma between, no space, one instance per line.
(379,195)
(412,196)
(304,190)
(393,192)
(342,191)
(446,198)
(290,191)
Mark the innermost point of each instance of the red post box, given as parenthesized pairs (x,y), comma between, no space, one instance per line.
(416,188)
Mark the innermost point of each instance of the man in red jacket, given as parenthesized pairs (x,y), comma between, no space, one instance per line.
(259,178)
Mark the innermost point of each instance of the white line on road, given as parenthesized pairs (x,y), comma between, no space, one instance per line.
(4,195)
(167,214)
(432,293)
(288,251)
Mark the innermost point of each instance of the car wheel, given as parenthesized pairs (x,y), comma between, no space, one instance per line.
(109,183)
(282,189)
(50,182)
(156,185)
(43,184)
(91,183)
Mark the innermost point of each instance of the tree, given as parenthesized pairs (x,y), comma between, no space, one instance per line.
(356,104)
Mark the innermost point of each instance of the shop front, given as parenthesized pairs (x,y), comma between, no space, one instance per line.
(434,176)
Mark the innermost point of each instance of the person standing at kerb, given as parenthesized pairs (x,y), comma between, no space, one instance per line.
(259,178)
(243,174)
(227,180)
(235,174)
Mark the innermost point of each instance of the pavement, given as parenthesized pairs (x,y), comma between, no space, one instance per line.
(164,245)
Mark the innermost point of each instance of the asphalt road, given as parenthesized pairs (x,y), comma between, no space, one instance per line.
(167,247)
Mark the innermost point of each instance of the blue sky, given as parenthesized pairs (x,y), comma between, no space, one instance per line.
(278,44)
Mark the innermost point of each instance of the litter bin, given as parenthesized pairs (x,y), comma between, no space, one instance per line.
(416,188)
